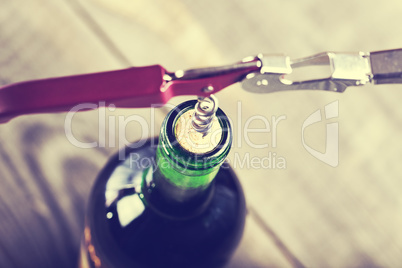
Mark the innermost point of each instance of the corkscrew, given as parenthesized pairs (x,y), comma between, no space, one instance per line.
(204,113)
(138,87)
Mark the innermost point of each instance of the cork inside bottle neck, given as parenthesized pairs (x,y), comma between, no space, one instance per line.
(193,141)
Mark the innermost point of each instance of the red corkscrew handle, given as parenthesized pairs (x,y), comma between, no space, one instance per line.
(135,87)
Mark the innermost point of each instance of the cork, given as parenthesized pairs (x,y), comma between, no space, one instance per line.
(193,141)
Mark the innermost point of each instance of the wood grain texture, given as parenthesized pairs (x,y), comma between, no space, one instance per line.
(45,180)
(308,214)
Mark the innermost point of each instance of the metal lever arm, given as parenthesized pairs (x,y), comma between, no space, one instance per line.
(347,69)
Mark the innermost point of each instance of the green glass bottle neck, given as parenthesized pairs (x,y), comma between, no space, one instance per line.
(182,177)
(181,174)
(185,169)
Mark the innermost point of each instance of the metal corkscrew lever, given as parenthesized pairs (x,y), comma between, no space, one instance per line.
(347,69)
(138,87)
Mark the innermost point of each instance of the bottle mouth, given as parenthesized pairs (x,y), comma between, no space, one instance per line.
(194,141)
(174,149)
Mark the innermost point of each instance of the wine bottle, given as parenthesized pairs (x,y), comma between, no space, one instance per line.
(186,209)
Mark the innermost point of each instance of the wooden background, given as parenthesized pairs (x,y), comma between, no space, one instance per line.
(306,215)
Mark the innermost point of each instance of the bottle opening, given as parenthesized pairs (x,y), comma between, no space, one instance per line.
(193,141)
(190,153)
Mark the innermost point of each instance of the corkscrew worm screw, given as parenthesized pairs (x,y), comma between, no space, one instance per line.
(204,113)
